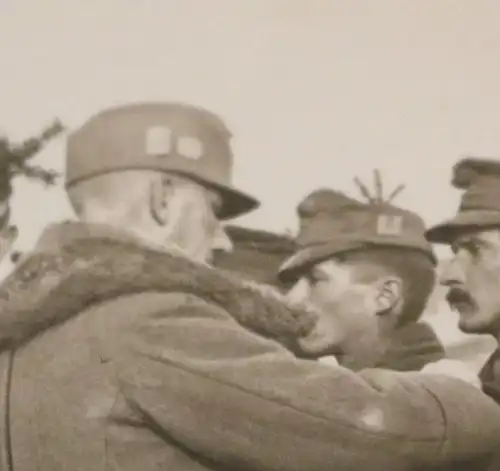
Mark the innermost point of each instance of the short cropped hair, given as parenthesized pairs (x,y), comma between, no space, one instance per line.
(108,188)
(413,267)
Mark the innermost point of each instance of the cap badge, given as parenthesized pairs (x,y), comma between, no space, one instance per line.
(189,147)
(389,225)
(158,140)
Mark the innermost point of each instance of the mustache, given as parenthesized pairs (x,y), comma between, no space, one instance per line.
(458,296)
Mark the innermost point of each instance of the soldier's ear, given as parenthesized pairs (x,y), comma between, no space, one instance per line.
(389,294)
(160,193)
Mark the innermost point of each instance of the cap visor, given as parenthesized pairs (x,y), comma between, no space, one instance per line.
(307,256)
(234,202)
(446,232)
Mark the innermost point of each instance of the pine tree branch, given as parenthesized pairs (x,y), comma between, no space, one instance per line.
(14,162)
(18,155)
(48,177)
(14,158)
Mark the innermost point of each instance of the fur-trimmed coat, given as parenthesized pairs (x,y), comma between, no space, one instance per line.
(117,356)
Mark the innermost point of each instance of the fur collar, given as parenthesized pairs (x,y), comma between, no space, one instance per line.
(57,281)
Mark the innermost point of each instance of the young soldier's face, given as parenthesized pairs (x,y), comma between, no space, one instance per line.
(473,279)
(348,310)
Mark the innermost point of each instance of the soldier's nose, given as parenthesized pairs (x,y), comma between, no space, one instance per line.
(452,273)
(222,242)
(299,293)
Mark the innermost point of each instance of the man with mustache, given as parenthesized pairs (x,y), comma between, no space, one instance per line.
(122,349)
(370,270)
(473,274)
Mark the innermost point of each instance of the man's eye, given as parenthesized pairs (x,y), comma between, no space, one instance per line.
(474,249)
(311,279)
(315,278)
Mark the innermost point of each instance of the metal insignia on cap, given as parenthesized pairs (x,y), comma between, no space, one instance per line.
(389,224)
(158,140)
(189,147)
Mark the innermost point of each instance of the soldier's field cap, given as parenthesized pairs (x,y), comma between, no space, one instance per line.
(332,224)
(480,203)
(165,136)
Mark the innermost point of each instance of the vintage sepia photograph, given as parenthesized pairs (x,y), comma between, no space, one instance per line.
(250,235)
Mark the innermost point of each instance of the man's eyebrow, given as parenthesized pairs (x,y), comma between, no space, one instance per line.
(318,272)
(313,271)
(465,241)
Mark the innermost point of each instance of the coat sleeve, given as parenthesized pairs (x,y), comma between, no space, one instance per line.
(245,402)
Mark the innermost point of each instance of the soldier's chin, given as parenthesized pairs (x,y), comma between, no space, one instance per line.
(329,360)
(318,344)
(470,322)
(466,327)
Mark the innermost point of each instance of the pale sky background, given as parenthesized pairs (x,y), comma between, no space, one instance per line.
(315,91)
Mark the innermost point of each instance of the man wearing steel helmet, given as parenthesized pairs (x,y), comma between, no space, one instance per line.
(122,349)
